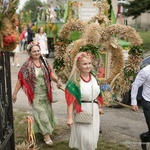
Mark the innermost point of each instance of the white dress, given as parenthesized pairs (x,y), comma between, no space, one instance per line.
(85,136)
(17,49)
(42,39)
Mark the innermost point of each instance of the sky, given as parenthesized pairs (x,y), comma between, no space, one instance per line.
(22,2)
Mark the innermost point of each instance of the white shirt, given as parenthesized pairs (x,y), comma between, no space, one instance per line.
(89,90)
(143,78)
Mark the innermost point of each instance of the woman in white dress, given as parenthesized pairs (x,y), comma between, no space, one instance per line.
(82,87)
(41,37)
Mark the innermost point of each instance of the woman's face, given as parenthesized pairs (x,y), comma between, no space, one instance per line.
(41,30)
(35,52)
(85,65)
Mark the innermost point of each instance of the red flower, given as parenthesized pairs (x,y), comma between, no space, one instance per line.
(7,40)
(59,43)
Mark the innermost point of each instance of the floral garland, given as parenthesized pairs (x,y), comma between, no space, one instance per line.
(93,49)
(131,69)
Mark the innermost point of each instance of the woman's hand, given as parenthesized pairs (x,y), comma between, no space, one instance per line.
(69,122)
(101,111)
(59,84)
(14,98)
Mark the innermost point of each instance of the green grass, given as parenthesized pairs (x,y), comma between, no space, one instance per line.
(146,39)
(60,136)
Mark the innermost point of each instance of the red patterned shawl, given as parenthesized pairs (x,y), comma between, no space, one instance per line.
(27,77)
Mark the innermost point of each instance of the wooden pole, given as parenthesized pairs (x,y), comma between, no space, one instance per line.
(61,89)
(124,105)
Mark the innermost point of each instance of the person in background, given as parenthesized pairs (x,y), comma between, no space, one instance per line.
(35,77)
(15,52)
(30,33)
(99,67)
(142,79)
(41,37)
(15,61)
(23,38)
(82,87)
(51,14)
(101,71)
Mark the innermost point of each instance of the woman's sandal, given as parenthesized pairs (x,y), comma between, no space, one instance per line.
(49,142)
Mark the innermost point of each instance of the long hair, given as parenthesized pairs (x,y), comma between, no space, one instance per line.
(39,29)
(75,73)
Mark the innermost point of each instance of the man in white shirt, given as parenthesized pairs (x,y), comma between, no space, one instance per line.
(142,79)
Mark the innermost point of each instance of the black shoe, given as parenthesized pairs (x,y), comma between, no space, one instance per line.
(143,141)
(100,131)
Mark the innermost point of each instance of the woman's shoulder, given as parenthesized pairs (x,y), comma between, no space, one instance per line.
(70,82)
(94,74)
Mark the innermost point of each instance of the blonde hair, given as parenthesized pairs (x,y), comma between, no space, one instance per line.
(75,73)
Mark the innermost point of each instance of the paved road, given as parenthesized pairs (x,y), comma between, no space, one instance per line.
(119,125)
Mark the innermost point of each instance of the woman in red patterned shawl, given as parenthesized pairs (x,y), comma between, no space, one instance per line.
(82,88)
(34,77)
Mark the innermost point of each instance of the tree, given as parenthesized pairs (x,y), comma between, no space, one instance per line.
(136,8)
(30,10)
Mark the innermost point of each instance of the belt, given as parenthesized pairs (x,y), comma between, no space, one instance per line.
(94,101)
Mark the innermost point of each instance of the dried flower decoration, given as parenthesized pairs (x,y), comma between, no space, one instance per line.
(8,23)
(31,44)
(85,54)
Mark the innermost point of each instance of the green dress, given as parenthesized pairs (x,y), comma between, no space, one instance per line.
(44,119)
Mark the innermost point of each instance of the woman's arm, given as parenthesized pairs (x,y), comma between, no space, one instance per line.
(100,105)
(56,80)
(17,88)
(69,114)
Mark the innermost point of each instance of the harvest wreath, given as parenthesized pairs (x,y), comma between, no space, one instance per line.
(97,37)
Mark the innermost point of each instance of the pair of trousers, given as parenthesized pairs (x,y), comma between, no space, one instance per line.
(146,111)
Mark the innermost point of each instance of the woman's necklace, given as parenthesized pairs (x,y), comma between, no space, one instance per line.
(86,80)
(38,66)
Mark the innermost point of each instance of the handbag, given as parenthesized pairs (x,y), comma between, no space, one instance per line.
(84,117)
